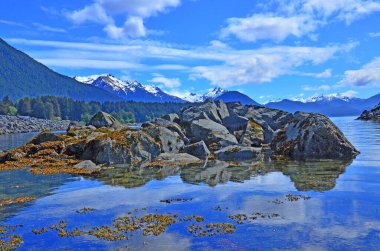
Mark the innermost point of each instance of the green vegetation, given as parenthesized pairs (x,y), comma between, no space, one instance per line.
(60,108)
(22,76)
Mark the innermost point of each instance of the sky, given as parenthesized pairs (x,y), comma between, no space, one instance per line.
(269,50)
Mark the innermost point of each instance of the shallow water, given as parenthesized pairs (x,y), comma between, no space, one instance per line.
(343,212)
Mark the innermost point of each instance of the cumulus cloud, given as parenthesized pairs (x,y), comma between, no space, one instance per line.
(368,75)
(167,82)
(103,11)
(297,18)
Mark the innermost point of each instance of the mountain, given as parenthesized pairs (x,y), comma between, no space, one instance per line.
(334,105)
(128,90)
(22,76)
(232,96)
(221,94)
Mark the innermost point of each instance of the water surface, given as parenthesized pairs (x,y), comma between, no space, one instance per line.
(341,214)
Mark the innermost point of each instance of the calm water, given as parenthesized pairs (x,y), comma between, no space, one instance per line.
(343,212)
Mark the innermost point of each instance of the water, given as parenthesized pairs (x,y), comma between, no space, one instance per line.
(343,212)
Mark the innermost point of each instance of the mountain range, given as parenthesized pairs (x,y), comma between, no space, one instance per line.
(22,76)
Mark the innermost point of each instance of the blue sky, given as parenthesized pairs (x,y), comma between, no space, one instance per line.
(266,49)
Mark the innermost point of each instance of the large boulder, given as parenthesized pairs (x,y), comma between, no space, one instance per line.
(172,117)
(208,110)
(170,141)
(178,159)
(238,153)
(88,165)
(211,133)
(198,150)
(102,119)
(311,135)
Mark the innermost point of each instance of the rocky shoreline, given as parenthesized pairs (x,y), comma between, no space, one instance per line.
(213,130)
(23,124)
(373,114)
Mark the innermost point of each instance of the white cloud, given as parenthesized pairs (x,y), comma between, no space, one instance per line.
(317,88)
(102,12)
(374,34)
(133,27)
(224,67)
(167,82)
(325,74)
(297,18)
(368,75)
(262,26)
(42,27)
(7,22)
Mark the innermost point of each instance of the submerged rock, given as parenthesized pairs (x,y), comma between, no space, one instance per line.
(102,119)
(311,135)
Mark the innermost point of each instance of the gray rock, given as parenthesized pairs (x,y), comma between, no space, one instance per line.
(311,135)
(172,117)
(170,141)
(178,158)
(102,119)
(208,110)
(253,135)
(238,153)
(211,133)
(198,150)
(45,137)
(88,165)
(373,114)
(169,125)
(235,122)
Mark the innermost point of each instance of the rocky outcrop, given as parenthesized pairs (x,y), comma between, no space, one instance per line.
(213,130)
(198,150)
(102,119)
(88,165)
(22,124)
(373,114)
(310,135)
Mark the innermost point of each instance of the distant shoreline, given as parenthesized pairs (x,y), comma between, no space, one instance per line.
(24,124)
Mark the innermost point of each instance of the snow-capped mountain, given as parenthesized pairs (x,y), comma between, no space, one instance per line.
(220,94)
(128,90)
(211,94)
(330,105)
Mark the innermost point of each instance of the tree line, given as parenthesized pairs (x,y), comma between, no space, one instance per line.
(61,108)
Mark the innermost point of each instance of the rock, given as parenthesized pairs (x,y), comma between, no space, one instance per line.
(198,150)
(172,117)
(222,109)
(12,155)
(45,137)
(170,141)
(178,159)
(238,153)
(211,133)
(21,124)
(253,135)
(208,110)
(235,123)
(270,119)
(312,136)
(169,125)
(88,165)
(102,119)
(76,149)
(373,114)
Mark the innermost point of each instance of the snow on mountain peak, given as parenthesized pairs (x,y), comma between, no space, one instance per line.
(196,97)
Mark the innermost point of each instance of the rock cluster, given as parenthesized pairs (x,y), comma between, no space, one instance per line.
(373,114)
(228,132)
(22,124)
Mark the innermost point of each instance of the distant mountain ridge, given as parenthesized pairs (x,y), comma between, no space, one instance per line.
(129,90)
(330,105)
(22,76)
